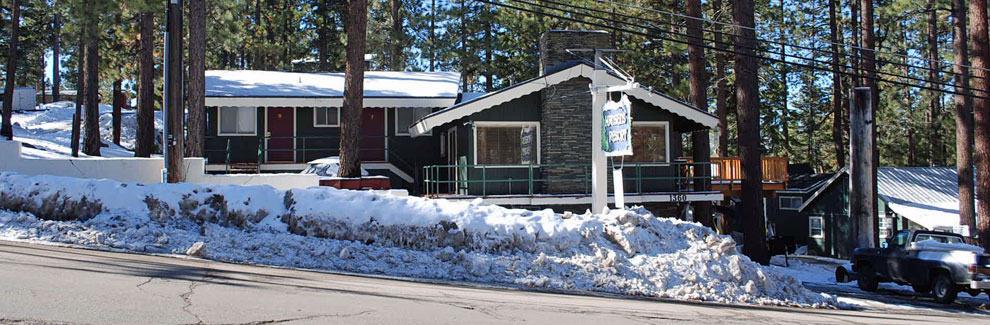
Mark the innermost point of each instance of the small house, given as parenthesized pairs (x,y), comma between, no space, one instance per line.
(25,99)
(922,198)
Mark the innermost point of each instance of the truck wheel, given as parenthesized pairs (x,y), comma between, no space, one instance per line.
(943,289)
(922,288)
(866,278)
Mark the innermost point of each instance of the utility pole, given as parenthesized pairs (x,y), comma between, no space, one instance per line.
(862,206)
(172,97)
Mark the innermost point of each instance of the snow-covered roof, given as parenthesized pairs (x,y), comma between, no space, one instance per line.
(928,196)
(577,69)
(381,88)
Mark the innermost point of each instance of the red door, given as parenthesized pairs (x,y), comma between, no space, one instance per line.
(281,129)
(373,134)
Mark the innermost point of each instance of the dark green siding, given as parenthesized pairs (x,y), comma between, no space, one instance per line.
(314,142)
(244,148)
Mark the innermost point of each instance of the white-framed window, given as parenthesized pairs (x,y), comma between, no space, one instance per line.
(650,141)
(815,229)
(406,116)
(790,202)
(506,143)
(324,117)
(443,144)
(238,121)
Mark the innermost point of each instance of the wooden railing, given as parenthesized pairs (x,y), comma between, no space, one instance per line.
(730,169)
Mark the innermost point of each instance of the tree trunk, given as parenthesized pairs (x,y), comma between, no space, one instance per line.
(856,34)
(869,70)
(837,114)
(699,98)
(7,130)
(145,142)
(395,61)
(748,110)
(196,85)
(489,47)
(981,115)
(433,37)
(322,34)
(118,99)
(56,58)
(721,88)
(350,129)
(91,139)
(80,96)
(935,156)
(785,114)
(964,116)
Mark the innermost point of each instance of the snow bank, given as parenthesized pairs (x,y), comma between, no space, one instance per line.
(625,252)
(49,131)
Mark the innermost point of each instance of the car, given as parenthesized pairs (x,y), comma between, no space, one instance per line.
(939,263)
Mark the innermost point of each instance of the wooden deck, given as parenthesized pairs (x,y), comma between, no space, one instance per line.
(728,175)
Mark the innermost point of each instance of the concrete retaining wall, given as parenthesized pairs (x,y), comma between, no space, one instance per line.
(138,170)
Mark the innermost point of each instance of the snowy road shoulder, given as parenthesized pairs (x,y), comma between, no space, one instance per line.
(623,252)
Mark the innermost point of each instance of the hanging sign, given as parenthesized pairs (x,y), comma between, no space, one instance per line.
(617,128)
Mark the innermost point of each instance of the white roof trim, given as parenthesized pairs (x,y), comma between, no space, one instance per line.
(426,124)
(326,102)
(823,188)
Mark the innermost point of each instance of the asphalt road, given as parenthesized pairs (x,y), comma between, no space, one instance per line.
(42,284)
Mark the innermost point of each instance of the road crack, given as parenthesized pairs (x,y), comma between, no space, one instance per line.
(286,320)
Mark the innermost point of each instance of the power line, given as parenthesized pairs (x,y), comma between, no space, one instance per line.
(851,46)
(755,49)
(724,50)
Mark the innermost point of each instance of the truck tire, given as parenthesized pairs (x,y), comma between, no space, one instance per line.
(866,278)
(943,289)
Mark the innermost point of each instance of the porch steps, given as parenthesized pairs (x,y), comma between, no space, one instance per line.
(244,168)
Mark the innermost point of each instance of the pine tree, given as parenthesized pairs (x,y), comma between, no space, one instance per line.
(196,83)
(7,130)
(350,147)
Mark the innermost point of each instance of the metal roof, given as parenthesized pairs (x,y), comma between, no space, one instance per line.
(918,184)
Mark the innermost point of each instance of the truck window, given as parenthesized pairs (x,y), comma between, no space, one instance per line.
(939,238)
(900,240)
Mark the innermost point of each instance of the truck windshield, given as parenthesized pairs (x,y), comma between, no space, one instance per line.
(939,238)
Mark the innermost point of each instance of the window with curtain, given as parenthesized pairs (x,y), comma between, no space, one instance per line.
(238,121)
(406,116)
(326,116)
(649,143)
(507,145)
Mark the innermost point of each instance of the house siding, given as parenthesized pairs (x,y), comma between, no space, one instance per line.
(244,149)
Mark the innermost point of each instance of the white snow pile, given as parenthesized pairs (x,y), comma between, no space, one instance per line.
(48,132)
(624,252)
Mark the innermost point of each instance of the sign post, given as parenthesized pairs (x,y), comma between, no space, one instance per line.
(601,136)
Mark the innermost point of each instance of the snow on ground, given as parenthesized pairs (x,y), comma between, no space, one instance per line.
(624,252)
(48,132)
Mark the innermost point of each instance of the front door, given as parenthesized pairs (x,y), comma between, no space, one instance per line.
(373,134)
(280,144)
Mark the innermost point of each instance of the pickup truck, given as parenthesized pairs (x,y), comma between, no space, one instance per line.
(939,263)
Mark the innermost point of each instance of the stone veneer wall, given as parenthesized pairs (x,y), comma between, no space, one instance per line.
(565,111)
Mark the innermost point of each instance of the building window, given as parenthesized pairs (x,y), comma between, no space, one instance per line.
(326,116)
(507,143)
(886,227)
(406,116)
(238,121)
(649,141)
(790,202)
(815,227)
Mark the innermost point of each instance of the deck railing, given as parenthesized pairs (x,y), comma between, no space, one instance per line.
(456,179)
(730,168)
(379,150)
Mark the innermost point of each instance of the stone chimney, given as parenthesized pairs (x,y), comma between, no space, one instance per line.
(555,43)
(565,109)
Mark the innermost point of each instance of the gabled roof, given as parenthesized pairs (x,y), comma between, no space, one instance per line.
(928,196)
(381,88)
(804,183)
(577,69)
(823,188)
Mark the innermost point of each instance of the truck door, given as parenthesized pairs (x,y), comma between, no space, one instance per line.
(896,253)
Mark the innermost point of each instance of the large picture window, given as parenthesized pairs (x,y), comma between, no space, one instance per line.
(406,116)
(507,144)
(238,121)
(326,116)
(649,141)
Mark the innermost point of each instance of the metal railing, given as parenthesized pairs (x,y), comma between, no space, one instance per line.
(458,179)
(327,145)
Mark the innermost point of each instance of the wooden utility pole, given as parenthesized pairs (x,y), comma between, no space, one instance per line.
(862,206)
(350,128)
(870,81)
(837,116)
(173,93)
(700,140)
(7,130)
